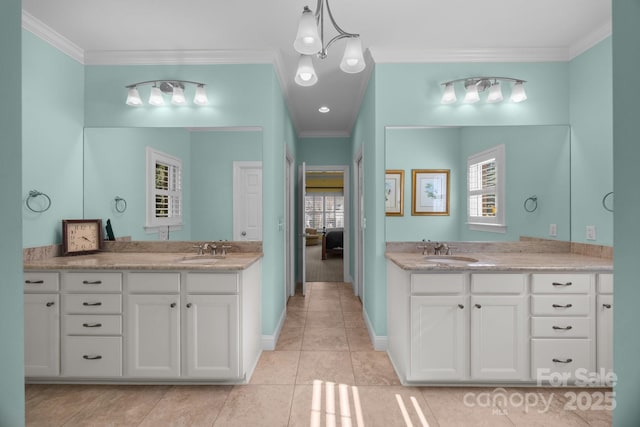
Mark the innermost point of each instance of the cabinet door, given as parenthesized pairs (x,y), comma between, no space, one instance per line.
(41,335)
(153,335)
(604,339)
(212,349)
(439,334)
(498,338)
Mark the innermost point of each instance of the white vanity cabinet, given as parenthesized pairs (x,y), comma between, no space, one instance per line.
(92,327)
(499,340)
(604,323)
(562,324)
(41,324)
(153,325)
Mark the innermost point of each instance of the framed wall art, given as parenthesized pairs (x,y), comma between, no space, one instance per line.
(430,192)
(394,192)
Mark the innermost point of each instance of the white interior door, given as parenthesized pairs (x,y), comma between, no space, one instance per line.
(289,224)
(302,182)
(360,224)
(247,201)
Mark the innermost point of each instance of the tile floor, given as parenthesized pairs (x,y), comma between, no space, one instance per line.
(324,372)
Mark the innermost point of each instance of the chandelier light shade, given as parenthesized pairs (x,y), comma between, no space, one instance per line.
(160,88)
(310,41)
(306,74)
(474,86)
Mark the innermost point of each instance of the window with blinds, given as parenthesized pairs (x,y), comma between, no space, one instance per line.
(164,196)
(485,190)
(324,210)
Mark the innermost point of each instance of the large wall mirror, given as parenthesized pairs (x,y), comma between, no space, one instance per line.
(115,177)
(538,166)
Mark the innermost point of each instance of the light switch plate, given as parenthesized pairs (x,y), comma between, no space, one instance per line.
(553,230)
(591,232)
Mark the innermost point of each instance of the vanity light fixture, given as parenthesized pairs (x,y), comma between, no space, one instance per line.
(310,41)
(476,85)
(161,87)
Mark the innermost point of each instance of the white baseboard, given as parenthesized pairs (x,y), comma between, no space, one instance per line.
(379,341)
(269,341)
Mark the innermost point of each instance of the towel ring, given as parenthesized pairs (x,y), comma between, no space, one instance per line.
(121,204)
(604,201)
(534,203)
(32,195)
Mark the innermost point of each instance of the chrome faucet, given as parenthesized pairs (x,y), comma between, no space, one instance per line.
(206,246)
(224,248)
(424,247)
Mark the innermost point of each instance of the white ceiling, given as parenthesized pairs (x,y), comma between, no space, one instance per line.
(219,31)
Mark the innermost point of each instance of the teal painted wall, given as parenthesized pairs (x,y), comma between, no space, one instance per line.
(413,148)
(11,289)
(115,165)
(212,157)
(324,151)
(626,152)
(592,142)
(53,117)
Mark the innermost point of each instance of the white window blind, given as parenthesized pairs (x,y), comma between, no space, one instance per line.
(164,195)
(485,191)
(324,210)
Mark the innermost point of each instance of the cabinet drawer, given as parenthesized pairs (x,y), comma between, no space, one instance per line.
(207,283)
(93,304)
(561,283)
(92,357)
(560,305)
(437,283)
(166,283)
(87,324)
(605,283)
(561,327)
(498,283)
(560,355)
(46,282)
(92,282)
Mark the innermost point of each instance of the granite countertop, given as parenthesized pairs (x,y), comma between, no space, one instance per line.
(495,261)
(146,261)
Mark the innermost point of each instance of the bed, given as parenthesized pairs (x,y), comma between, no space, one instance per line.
(332,242)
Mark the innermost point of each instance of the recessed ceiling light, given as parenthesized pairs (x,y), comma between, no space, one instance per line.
(324,109)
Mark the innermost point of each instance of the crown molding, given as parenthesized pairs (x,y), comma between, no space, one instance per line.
(49,35)
(591,39)
(226,129)
(382,56)
(189,57)
(323,134)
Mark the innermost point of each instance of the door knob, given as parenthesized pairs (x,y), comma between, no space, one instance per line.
(243,234)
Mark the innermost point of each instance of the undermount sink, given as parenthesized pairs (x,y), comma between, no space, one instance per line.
(450,259)
(201,259)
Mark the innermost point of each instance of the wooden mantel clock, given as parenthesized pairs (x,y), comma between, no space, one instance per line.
(81,236)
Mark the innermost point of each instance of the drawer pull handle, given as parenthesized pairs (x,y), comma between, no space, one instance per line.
(562,306)
(97,357)
(92,325)
(460,306)
(34,282)
(478,306)
(189,305)
(92,282)
(173,305)
(562,284)
(50,304)
(562,361)
(565,328)
(606,305)
(91,304)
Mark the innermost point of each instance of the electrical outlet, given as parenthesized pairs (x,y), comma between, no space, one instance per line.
(591,232)
(163,235)
(553,230)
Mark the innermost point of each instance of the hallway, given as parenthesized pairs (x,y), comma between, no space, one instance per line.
(323,372)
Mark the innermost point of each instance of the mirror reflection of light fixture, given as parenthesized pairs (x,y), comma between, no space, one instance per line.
(161,87)
(474,86)
(310,41)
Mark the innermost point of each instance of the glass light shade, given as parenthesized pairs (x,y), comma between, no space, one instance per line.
(178,96)
(517,93)
(307,40)
(306,74)
(495,93)
(155,97)
(133,97)
(472,94)
(201,96)
(449,95)
(353,60)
